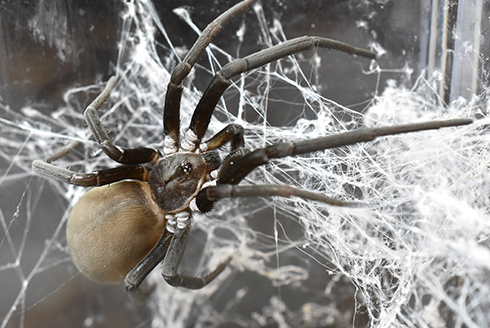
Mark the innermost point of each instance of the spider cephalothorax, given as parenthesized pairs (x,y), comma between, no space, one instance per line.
(121,231)
(176,179)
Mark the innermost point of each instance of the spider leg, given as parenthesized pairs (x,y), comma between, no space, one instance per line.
(231,158)
(121,155)
(62,152)
(171,115)
(207,196)
(172,261)
(221,81)
(232,132)
(136,276)
(244,165)
(99,178)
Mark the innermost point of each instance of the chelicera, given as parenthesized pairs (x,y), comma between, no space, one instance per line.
(139,213)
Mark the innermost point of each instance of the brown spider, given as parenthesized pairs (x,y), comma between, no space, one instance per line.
(121,231)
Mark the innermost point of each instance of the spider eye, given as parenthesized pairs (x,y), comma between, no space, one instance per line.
(186,167)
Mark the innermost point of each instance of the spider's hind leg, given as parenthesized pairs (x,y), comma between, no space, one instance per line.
(98,178)
(172,261)
(137,275)
(121,155)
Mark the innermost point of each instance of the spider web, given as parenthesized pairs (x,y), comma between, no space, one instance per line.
(416,255)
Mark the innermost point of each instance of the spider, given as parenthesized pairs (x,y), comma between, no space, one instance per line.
(121,230)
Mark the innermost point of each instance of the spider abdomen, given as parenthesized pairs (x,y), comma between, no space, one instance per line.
(112,228)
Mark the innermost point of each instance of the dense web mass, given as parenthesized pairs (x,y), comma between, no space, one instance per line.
(416,255)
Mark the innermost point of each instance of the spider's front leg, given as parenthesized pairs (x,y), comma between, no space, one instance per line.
(171,112)
(221,80)
(231,133)
(233,174)
(262,156)
(174,256)
(207,196)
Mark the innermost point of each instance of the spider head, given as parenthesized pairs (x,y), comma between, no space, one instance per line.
(176,179)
